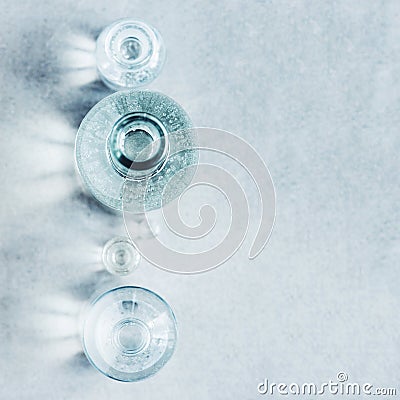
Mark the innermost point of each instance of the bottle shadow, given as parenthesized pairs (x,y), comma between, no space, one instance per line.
(65,74)
(56,267)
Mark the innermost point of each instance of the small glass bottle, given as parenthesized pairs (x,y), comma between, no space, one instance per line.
(135,138)
(129,333)
(129,54)
(120,256)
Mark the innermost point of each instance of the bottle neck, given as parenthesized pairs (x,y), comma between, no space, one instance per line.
(138,146)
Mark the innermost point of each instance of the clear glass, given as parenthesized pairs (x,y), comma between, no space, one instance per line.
(129,54)
(129,333)
(131,136)
(120,256)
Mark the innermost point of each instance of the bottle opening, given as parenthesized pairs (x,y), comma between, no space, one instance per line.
(138,146)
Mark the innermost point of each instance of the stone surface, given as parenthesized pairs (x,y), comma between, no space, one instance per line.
(314,86)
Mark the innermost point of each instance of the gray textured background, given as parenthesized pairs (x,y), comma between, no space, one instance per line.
(315,87)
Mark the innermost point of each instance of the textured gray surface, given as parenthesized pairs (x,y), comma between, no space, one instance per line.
(315,87)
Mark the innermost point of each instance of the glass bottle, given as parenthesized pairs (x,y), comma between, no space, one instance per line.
(135,138)
(129,54)
(129,333)
(120,256)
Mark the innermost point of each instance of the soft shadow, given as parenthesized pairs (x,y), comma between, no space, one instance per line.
(78,361)
(65,74)
(92,204)
(84,290)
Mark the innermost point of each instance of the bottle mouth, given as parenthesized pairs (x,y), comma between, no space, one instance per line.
(138,145)
(120,256)
(130,43)
(130,49)
(131,336)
